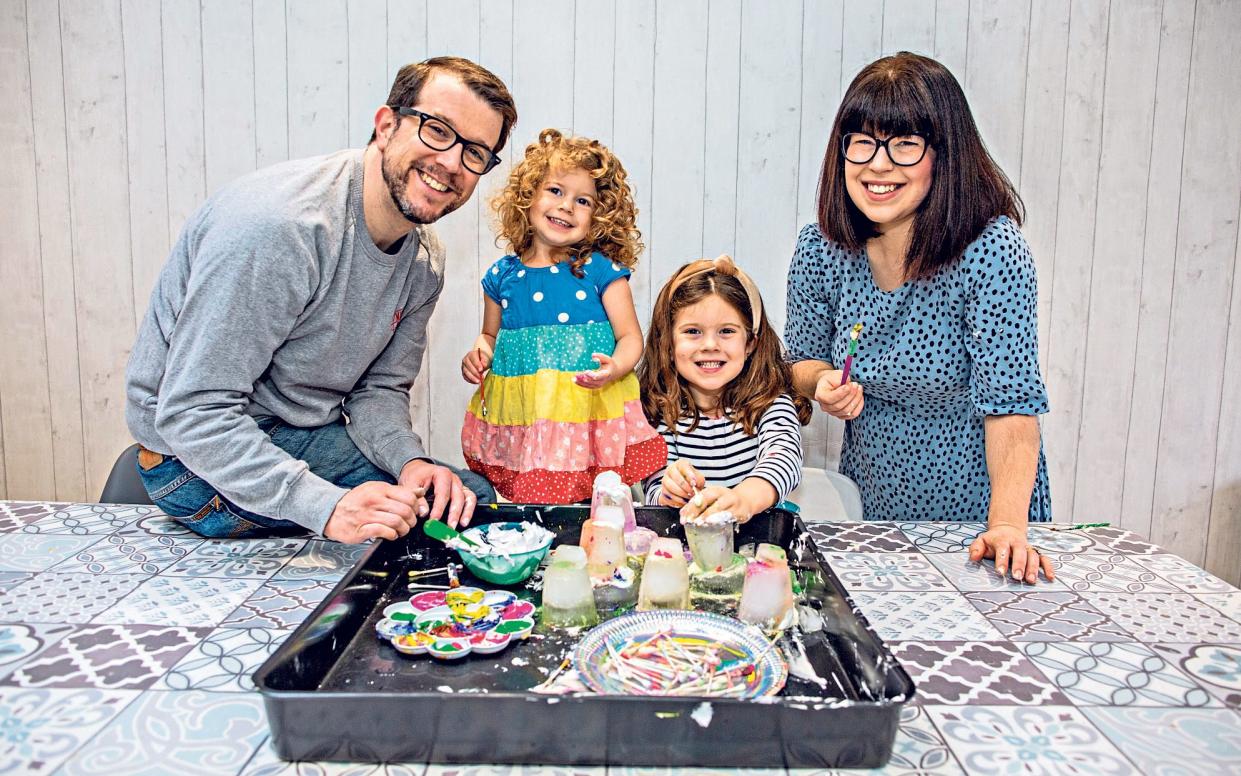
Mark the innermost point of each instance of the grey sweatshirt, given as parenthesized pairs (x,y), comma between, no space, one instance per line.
(276,301)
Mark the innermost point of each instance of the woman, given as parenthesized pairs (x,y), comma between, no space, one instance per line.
(917,240)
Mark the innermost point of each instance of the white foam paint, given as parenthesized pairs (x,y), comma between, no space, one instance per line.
(702,714)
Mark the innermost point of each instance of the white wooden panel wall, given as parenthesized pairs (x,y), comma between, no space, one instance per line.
(1118,122)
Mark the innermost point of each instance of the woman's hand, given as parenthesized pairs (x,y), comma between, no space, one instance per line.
(679,484)
(839,401)
(717,498)
(1012,445)
(1009,546)
(597,378)
(475,365)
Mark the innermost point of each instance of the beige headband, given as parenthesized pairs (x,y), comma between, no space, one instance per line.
(722,264)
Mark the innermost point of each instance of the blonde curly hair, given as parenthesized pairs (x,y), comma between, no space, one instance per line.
(613,225)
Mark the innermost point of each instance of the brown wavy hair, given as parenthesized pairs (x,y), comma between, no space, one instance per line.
(908,94)
(613,225)
(765,375)
(486,85)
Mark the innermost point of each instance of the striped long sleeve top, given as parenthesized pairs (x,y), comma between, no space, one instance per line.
(726,455)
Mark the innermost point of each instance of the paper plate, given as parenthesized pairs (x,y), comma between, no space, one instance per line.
(592,655)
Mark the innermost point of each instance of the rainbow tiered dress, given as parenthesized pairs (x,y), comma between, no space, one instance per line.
(538,436)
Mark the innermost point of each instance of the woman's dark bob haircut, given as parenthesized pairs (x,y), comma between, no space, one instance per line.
(908,94)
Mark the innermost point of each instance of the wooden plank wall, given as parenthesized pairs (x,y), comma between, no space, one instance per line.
(1118,122)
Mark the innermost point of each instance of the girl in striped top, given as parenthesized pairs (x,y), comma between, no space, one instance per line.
(716,387)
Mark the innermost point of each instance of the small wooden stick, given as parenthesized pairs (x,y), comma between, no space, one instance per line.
(552,676)
(482,395)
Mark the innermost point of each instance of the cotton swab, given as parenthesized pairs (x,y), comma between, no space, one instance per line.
(450,570)
(665,664)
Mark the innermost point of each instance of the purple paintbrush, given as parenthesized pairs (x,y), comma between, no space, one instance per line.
(853,338)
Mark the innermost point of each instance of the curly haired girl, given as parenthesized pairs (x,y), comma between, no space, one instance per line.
(557,401)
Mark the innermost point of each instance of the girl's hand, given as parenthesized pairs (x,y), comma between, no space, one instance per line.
(839,401)
(717,498)
(600,377)
(1008,542)
(475,365)
(679,484)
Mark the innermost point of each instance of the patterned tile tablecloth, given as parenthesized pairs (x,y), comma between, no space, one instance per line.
(127,646)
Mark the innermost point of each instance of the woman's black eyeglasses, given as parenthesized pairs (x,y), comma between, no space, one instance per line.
(903,150)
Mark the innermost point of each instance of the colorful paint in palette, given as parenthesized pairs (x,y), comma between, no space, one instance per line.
(452,624)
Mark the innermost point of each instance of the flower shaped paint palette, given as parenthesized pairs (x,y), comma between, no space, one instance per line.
(451,624)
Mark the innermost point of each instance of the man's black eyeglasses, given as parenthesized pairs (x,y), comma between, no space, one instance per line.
(439,135)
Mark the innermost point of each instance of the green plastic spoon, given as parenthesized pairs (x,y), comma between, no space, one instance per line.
(437,529)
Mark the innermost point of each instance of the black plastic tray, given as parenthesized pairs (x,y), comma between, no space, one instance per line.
(334,691)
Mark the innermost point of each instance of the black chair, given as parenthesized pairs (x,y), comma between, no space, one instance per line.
(124,486)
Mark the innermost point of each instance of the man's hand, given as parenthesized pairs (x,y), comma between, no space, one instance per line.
(454,503)
(373,510)
(839,401)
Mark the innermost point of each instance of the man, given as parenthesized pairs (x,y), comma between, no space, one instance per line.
(269,384)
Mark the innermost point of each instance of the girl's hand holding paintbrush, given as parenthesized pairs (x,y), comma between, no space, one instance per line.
(475,364)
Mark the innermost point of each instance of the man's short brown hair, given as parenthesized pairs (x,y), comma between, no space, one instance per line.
(481,81)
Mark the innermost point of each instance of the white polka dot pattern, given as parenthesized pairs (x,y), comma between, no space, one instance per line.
(543,310)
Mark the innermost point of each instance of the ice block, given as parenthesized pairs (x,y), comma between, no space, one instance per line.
(665,577)
(604,542)
(767,596)
(611,497)
(711,540)
(568,599)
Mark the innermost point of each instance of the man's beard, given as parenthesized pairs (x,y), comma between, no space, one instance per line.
(397,186)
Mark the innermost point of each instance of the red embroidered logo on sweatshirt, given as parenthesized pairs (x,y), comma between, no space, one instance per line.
(396,318)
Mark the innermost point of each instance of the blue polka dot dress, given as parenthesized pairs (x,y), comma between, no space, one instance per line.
(530,429)
(935,357)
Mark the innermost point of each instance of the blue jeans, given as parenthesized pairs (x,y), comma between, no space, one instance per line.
(328,451)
